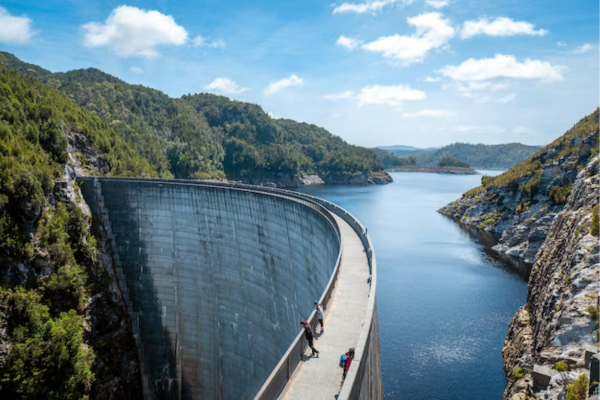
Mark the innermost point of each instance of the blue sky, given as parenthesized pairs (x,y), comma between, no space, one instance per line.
(375,72)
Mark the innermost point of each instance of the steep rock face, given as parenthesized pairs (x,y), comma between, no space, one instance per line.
(558,323)
(520,205)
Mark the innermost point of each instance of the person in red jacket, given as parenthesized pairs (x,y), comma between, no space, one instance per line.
(309,335)
(349,358)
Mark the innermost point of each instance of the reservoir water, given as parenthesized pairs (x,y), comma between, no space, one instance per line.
(444,300)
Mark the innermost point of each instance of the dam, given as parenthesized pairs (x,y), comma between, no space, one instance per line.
(216,278)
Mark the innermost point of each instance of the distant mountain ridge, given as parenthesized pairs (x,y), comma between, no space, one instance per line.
(481,156)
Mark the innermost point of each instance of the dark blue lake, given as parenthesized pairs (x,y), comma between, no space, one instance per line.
(444,300)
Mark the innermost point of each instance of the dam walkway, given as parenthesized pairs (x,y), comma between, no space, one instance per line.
(320,378)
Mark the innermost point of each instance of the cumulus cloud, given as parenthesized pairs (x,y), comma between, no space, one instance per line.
(432,31)
(380,95)
(200,41)
(432,79)
(225,85)
(348,43)
(561,44)
(501,26)
(370,6)
(437,3)
(502,66)
(14,30)
(275,87)
(137,70)
(583,49)
(429,113)
(388,95)
(507,99)
(130,31)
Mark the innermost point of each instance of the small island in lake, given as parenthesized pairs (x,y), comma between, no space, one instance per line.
(445,165)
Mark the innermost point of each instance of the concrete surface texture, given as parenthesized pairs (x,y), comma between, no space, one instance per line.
(320,378)
(216,280)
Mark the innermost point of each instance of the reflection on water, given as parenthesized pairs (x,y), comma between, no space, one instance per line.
(444,297)
(492,257)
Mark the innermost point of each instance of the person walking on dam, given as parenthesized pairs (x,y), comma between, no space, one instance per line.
(320,315)
(309,335)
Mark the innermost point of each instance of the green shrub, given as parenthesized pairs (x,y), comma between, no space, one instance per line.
(594,310)
(560,194)
(578,389)
(486,180)
(518,373)
(561,366)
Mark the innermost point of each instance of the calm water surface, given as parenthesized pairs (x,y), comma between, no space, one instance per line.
(444,303)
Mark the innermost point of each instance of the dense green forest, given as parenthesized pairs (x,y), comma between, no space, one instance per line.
(44,312)
(499,156)
(204,135)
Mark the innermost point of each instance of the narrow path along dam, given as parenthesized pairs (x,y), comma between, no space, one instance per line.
(216,278)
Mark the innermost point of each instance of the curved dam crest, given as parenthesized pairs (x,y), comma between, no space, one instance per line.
(216,279)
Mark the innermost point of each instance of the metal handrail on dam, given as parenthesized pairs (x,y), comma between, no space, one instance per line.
(363,378)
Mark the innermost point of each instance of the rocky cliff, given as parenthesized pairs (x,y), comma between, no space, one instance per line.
(559,323)
(545,211)
(519,205)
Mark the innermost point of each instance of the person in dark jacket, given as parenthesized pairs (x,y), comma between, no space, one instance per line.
(309,335)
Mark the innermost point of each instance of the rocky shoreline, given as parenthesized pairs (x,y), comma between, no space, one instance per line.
(542,210)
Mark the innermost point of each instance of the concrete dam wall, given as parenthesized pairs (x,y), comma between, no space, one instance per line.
(216,279)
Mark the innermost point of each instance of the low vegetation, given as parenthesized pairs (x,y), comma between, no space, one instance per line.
(448,161)
(578,389)
(525,176)
(518,372)
(595,228)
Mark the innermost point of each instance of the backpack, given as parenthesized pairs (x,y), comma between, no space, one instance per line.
(343,361)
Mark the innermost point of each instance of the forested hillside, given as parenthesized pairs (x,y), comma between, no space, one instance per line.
(483,156)
(208,136)
(56,309)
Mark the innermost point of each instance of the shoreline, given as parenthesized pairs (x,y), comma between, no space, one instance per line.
(436,170)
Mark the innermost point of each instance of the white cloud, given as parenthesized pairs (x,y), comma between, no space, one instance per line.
(432,79)
(338,96)
(561,44)
(14,29)
(388,95)
(370,6)
(130,31)
(137,70)
(200,41)
(501,26)
(507,99)
(583,49)
(432,31)
(348,43)
(429,113)
(275,87)
(225,85)
(520,130)
(392,96)
(437,3)
(502,66)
